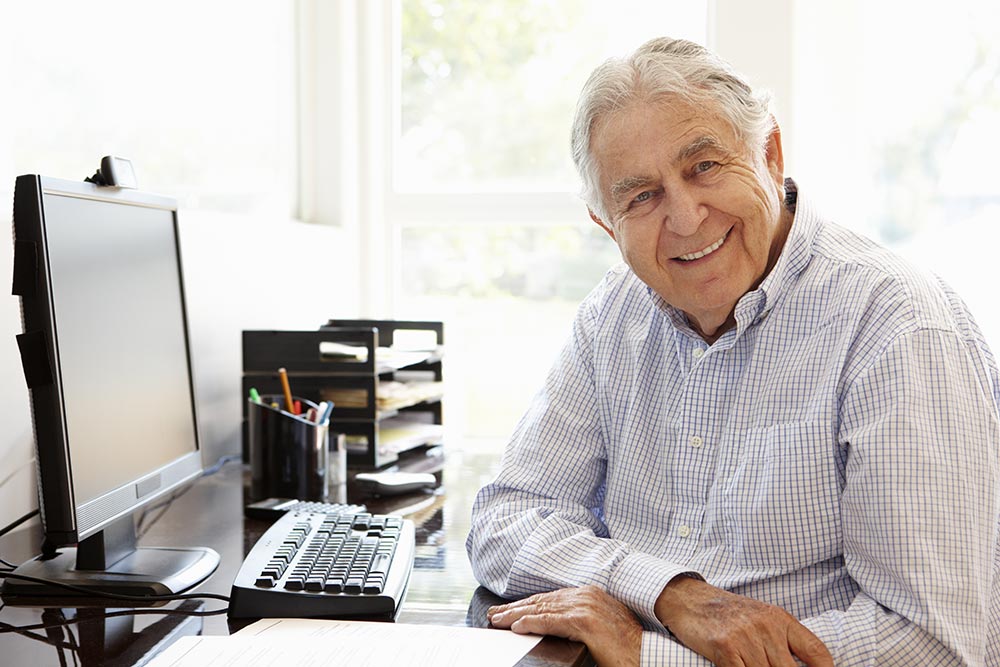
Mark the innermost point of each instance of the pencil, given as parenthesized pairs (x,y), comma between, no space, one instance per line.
(289,404)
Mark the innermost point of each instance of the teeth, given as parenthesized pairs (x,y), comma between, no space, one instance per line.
(706,251)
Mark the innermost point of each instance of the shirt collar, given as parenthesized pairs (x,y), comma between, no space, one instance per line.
(794,257)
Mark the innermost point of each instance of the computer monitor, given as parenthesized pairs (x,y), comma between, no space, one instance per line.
(107,358)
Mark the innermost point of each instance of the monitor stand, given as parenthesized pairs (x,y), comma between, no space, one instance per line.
(109,561)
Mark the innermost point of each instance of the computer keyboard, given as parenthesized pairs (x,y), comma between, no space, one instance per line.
(272,508)
(317,565)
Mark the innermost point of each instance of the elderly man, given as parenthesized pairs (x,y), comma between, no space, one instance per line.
(767,438)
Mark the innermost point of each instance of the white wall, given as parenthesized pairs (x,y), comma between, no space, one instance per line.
(239,274)
(17,463)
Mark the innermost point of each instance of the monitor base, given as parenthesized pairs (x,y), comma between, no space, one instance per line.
(143,572)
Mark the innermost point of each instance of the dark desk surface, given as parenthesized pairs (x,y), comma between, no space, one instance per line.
(442,589)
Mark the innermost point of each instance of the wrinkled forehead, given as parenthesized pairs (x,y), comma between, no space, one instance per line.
(622,138)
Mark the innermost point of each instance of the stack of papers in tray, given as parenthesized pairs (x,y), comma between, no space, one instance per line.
(385,357)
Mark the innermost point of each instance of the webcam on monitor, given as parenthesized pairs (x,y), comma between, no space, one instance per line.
(116,172)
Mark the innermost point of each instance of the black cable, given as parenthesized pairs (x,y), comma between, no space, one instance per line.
(6,529)
(128,612)
(55,633)
(12,526)
(74,645)
(63,638)
(7,627)
(117,596)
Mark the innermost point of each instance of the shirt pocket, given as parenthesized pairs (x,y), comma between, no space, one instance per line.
(783,502)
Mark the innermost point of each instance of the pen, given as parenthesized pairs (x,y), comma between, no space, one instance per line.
(289,404)
(254,396)
(325,416)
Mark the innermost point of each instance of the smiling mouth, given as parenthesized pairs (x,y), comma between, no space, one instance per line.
(704,251)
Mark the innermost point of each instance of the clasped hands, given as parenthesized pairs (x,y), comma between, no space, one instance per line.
(728,629)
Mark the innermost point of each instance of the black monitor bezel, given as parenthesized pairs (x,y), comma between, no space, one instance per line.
(64,522)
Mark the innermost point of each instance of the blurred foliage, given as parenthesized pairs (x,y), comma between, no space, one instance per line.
(487,94)
(534,262)
(486,86)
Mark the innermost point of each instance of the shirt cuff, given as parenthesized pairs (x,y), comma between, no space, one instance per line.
(638,581)
(658,649)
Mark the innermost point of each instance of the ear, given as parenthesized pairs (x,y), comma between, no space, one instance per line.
(774,156)
(602,225)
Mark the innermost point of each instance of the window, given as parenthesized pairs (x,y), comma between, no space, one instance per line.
(467,208)
(199,95)
(487,90)
(488,232)
(897,136)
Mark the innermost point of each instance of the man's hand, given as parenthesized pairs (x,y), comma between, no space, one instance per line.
(589,615)
(736,631)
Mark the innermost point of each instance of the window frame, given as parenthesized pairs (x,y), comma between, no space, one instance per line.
(350,77)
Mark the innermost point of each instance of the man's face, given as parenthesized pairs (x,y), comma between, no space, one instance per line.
(697,217)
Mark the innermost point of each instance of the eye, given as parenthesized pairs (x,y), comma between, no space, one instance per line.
(643,196)
(704,166)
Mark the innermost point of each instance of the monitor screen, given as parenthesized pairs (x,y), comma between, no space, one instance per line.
(106,355)
(123,359)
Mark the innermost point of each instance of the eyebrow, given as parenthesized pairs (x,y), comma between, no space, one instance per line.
(629,183)
(697,146)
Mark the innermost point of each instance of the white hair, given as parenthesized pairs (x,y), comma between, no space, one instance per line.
(665,68)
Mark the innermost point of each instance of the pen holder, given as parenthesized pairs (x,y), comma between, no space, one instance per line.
(288,453)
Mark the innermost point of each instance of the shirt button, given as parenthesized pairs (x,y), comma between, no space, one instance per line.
(683,530)
(698,353)
(695,441)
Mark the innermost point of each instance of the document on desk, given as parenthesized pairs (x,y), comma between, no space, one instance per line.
(319,642)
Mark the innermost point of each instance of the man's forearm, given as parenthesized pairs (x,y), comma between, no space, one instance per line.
(521,553)
(866,633)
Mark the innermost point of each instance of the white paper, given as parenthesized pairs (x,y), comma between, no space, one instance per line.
(307,642)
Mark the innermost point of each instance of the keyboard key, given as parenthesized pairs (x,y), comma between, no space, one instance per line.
(380,564)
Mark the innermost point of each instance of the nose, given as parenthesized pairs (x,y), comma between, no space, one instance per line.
(684,211)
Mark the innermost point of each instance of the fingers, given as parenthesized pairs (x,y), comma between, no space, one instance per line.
(772,648)
(776,647)
(733,630)
(808,647)
(610,630)
(504,615)
(562,601)
(545,624)
(570,612)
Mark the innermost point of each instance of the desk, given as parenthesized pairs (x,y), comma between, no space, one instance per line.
(442,589)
